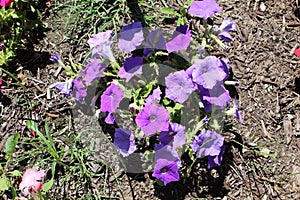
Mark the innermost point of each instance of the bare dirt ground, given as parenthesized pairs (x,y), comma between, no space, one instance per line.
(263,163)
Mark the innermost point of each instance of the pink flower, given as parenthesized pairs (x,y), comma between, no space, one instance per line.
(5,3)
(31,181)
(297,52)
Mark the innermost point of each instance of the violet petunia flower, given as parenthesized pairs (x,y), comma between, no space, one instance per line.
(181,39)
(224,29)
(124,141)
(214,161)
(154,97)
(207,72)
(65,88)
(132,67)
(55,58)
(155,41)
(204,9)
(152,119)
(175,136)
(179,86)
(79,90)
(167,152)
(166,171)
(110,119)
(111,98)
(217,97)
(102,45)
(93,70)
(207,143)
(131,37)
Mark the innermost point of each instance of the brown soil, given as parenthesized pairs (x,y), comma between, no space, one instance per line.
(264,163)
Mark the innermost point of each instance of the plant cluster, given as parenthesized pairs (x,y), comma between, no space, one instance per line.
(164,94)
(157,82)
(18,18)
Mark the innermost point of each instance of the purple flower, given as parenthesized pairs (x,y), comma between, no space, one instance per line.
(154,97)
(64,87)
(110,119)
(55,58)
(175,136)
(207,72)
(204,9)
(225,65)
(218,96)
(166,171)
(181,39)
(132,66)
(153,119)
(79,90)
(131,36)
(214,161)
(124,141)
(92,71)
(167,152)
(102,45)
(207,143)
(155,41)
(179,86)
(111,98)
(223,30)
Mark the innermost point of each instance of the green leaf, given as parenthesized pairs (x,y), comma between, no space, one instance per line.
(10,144)
(4,183)
(47,186)
(16,173)
(169,11)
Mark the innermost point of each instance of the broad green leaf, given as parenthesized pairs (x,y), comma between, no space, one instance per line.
(47,186)
(169,11)
(16,173)
(4,183)
(10,144)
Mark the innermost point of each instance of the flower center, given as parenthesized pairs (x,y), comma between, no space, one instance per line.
(152,118)
(163,170)
(171,133)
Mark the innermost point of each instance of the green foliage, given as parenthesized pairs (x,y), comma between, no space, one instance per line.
(16,25)
(10,145)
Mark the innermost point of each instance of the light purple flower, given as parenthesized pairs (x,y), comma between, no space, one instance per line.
(225,65)
(218,97)
(132,66)
(166,171)
(93,71)
(124,141)
(224,29)
(79,90)
(100,38)
(55,58)
(207,72)
(65,88)
(175,136)
(167,152)
(238,113)
(155,41)
(110,119)
(179,86)
(131,36)
(153,119)
(154,97)
(102,45)
(207,143)
(181,39)
(111,98)
(204,9)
